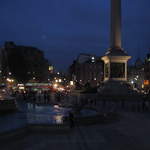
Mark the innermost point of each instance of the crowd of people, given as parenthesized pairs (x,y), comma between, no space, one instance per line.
(46,97)
(39,96)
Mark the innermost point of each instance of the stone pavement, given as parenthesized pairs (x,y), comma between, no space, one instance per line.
(131,133)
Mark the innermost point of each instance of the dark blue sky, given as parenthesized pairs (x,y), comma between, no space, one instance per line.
(64,28)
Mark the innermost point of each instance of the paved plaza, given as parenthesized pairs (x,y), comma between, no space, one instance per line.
(130,133)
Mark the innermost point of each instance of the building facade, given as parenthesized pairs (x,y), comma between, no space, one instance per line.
(24,63)
(87,69)
(147,72)
(139,74)
(136,74)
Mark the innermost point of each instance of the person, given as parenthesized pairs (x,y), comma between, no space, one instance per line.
(45,96)
(71,120)
(143,105)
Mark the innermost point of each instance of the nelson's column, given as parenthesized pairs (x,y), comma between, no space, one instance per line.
(115,59)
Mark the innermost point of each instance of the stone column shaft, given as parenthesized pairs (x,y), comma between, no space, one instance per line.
(116,24)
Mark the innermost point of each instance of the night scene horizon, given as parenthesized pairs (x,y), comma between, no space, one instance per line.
(74,74)
(64,29)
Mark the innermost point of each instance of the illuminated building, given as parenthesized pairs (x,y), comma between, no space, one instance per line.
(136,74)
(147,72)
(87,69)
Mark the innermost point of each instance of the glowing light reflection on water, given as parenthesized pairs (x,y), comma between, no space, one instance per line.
(46,114)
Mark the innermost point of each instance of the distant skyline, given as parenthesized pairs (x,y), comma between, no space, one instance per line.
(65,28)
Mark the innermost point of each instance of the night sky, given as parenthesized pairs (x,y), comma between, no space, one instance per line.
(64,28)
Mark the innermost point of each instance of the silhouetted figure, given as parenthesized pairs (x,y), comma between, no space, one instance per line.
(58,97)
(39,97)
(49,97)
(143,105)
(45,96)
(71,120)
(24,96)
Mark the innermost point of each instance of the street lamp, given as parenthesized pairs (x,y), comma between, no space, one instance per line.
(71,83)
(55,85)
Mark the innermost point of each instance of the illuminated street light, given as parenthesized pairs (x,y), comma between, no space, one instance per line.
(93,59)
(71,83)
(10,80)
(55,85)
(50,68)
(59,80)
(56,106)
(61,89)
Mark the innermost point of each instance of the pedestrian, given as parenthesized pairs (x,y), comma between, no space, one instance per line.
(45,96)
(146,105)
(143,105)
(71,120)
